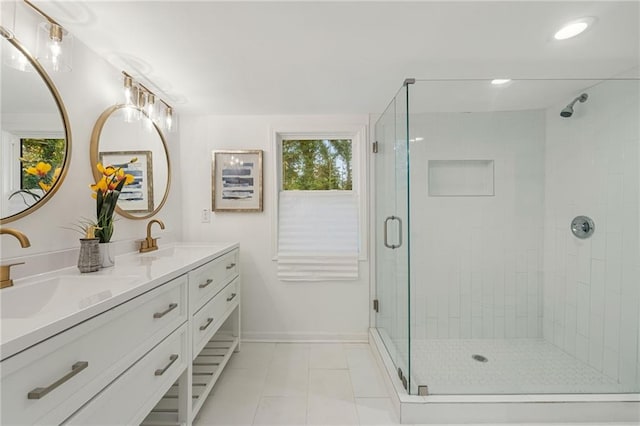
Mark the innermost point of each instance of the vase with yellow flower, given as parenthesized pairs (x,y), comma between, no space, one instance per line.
(89,256)
(106,193)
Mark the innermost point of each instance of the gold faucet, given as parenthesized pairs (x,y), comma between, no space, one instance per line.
(5,270)
(150,244)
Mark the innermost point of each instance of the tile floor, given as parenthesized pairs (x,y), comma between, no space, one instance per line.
(520,366)
(300,384)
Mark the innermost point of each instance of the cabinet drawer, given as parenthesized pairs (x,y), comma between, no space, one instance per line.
(50,381)
(207,280)
(232,294)
(130,398)
(208,319)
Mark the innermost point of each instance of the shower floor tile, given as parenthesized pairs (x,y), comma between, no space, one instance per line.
(515,366)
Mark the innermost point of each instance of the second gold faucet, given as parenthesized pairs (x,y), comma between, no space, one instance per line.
(5,270)
(149,243)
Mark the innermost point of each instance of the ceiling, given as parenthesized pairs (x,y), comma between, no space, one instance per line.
(303,57)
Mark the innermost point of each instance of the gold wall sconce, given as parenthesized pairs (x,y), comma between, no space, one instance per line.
(54,44)
(143,101)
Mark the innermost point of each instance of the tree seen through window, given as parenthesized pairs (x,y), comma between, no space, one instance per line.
(33,151)
(318,164)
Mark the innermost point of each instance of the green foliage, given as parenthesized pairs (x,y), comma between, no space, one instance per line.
(49,151)
(320,164)
(105,206)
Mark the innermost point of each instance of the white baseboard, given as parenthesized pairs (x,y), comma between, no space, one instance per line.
(310,337)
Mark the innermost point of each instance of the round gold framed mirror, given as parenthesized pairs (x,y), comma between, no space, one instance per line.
(122,133)
(36,135)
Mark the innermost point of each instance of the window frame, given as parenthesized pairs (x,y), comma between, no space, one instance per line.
(11,147)
(358,136)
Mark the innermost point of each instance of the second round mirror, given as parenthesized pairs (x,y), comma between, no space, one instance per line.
(121,134)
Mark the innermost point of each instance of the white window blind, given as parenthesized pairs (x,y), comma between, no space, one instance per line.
(318,235)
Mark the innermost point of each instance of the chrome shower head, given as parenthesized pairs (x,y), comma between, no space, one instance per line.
(568,110)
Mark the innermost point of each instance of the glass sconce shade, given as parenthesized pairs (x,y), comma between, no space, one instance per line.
(170,120)
(151,106)
(54,47)
(141,100)
(15,59)
(128,90)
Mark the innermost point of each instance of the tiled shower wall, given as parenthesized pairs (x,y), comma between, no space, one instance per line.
(476,261)
(591,287)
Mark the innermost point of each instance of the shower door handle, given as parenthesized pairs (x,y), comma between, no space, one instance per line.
(386,239)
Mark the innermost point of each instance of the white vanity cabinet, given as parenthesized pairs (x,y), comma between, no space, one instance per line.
(214,299)
(118,366)
(51,380)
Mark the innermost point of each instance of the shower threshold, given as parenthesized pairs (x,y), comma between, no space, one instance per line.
(501,408)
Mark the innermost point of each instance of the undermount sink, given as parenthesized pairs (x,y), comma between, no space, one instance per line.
(58,294)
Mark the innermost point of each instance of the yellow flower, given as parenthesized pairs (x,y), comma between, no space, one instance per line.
(101,185)
(44,186)
(109,186)
(106,171)
(56,175)
(41,169)
(121,175)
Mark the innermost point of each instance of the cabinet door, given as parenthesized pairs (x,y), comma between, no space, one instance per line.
(128,400)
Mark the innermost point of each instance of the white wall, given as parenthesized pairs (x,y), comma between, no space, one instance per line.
(87,91)
(476,260)
(592,286)
(271,309)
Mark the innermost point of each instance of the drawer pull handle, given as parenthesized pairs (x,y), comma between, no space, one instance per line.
(206,283)
(230,298)
(38,393)
(172,359)
(231,265)
(208,323)
(171,307)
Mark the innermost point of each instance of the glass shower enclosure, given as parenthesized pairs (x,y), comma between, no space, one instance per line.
(507,236)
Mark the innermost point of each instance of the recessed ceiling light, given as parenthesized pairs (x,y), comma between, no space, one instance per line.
(573,28)
(499,81)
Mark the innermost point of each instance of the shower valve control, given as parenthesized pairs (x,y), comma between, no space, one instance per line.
(582,227)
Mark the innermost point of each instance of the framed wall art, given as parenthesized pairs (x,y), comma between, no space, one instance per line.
(237,181)
(137,197)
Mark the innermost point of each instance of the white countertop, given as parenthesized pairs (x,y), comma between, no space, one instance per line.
(38,307)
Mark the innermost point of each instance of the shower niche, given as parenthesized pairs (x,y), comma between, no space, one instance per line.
(461,178)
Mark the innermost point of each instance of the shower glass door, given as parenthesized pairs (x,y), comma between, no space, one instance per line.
(392,230)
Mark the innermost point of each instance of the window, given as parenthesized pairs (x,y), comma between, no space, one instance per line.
(318,164)
(319,210)
(34,151)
